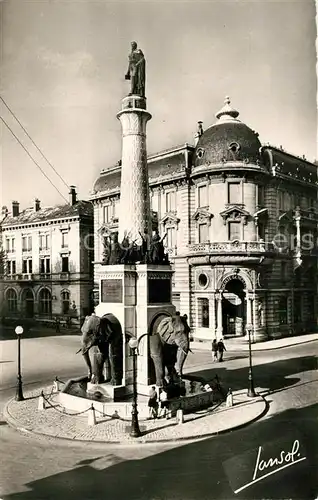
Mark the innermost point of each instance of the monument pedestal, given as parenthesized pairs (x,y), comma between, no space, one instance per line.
(138,295)
(113,392)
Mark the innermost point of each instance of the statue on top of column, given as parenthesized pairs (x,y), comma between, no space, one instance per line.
(136,72)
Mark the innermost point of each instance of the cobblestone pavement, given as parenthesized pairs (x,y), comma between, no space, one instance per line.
(25,416)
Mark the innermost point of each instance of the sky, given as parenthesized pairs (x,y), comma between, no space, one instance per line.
(62,67)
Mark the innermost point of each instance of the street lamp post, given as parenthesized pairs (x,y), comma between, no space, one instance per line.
(135,431)
(251,392)
(19,394)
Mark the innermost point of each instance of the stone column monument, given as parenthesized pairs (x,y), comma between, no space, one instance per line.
(134,211)
(135,286)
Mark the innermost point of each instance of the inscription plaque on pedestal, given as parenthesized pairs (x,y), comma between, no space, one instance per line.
(112,290)
(159,291)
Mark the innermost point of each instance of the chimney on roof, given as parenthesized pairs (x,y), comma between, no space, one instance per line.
(15,209)
(4,211)
(73,195)
(198,133)
(37,205)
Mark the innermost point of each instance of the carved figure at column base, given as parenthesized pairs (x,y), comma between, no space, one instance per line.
(169,348)
(102,338)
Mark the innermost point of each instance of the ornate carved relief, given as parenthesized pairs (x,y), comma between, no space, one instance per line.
(235,213)
(170,220)
(202,215)
(235,274)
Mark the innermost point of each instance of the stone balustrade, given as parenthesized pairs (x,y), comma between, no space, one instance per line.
(233,247)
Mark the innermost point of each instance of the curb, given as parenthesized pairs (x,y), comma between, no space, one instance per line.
(258,349)
(15,424)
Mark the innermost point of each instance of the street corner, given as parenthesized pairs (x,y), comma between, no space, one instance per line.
(52,421)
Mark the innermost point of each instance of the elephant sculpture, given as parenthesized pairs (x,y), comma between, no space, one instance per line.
(169,347)
(103,339)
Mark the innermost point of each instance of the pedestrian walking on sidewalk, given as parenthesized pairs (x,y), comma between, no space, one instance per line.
(153,403)
(57,324)
(214,350)
(221,349)
(163,403)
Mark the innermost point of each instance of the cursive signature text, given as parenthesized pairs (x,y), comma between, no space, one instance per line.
(266,467)
(284,457)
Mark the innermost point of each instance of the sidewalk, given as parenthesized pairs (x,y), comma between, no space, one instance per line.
(26,417)
(241,343)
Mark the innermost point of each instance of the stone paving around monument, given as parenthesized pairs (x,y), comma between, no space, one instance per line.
(25,416)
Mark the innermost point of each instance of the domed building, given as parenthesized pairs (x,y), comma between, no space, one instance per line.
(240,222)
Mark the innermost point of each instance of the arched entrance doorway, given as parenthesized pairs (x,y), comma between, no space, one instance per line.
(28,300)
(233,308)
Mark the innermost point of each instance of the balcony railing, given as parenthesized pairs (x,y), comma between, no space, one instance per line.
(233,247)
(46,276)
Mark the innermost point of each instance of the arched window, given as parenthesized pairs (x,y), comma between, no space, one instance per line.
(12,300)
(65,301)
(28,301)
(45,302)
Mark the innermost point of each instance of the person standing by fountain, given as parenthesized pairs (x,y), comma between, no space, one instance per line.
(221,349)
(153,403)
(215,350)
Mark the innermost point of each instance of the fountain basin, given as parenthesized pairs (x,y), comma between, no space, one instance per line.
(78,395)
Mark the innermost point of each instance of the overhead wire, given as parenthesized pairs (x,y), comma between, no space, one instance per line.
(31,157)
(33,142)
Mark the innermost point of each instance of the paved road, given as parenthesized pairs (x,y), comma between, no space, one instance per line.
(36,468)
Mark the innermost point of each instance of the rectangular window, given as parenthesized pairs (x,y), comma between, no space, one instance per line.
(26,243)
(282,311)
(8,267)
(10,244)
(154,202)
(45,267)
(234,193)
(171,237)
(44,241)
(64,239)
(261,230)
(203,313)
(24,266)
(261,196)
(287,204)
(203,196)
(234,231)
(108,209)
(304,203)
(203,233)
(30,266)
(13,267)
(170,201)
(65,268)
(42,266)
(116,209)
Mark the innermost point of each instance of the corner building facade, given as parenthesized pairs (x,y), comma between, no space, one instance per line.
(48,262)
(241,225)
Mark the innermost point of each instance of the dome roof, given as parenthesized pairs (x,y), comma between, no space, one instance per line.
(227,140)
